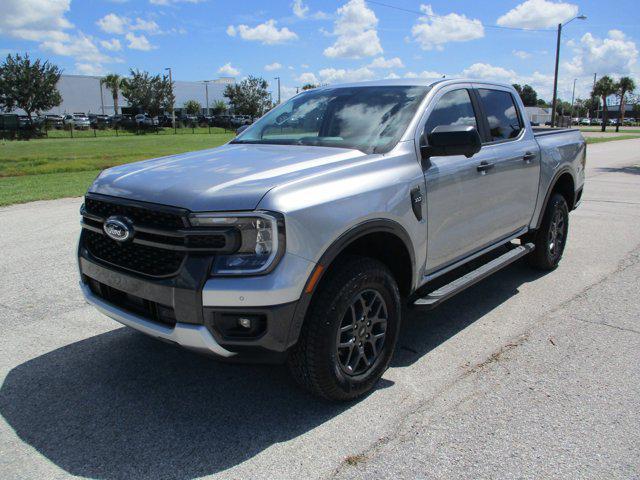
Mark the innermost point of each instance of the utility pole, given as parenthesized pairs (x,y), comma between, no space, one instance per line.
(555,77)
(278,78)
(206,93)
(573,94)
(101,97)
(173,110)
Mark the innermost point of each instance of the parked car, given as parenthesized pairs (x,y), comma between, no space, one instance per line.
(77,120)
(596,121)
(54,121)
(143,120)
(303,245)
(99,121)
(629,121)
(24,122)
(585,121)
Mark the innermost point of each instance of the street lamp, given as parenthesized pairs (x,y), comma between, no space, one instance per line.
(173,111)
(206,94)
(555,78)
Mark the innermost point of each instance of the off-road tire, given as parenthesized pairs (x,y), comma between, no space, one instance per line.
(314,362)
(550,246)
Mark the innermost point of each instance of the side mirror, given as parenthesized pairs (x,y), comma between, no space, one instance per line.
(241,129)
(447,140)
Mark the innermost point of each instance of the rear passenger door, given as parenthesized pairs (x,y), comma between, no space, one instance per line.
(512,159)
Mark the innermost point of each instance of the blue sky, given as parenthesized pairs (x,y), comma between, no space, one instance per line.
(330,41)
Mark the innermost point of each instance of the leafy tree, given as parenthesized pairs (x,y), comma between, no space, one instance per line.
(309,86)
(219,107)
(528,94)
(113,82)
(603,89)
(148,93)
(29,85)
(193,107)
(249,97)
(625,85)
(542,103)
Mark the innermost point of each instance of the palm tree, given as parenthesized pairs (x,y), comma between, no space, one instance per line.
(113,82)
(603,89)
(625,85)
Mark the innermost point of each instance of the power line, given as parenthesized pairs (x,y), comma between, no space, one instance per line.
(423,14)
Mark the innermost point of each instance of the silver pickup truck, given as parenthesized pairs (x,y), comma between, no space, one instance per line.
(303,239)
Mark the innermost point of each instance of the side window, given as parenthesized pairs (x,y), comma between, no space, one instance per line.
(453,108)
(502,115)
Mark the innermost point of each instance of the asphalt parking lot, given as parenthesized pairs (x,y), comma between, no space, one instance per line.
(524,375)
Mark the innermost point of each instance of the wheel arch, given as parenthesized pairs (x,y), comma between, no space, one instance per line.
(367,239)
(563,182)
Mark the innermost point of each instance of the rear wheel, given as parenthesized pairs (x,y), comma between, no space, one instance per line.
(350,332)
(551,238)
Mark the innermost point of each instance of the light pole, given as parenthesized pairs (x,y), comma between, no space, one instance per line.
(101,97)
(555,78)
(173,111)
(206,94)
(278,78)
(573,94)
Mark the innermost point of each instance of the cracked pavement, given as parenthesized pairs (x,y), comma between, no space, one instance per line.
(525,375)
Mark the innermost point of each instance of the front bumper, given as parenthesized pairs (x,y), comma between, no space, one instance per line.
(197,304)
(193,337)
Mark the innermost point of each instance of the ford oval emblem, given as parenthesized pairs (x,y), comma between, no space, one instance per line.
(117,229)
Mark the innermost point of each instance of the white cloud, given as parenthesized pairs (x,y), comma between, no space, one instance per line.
(486,71)
(138,42)
(228,70)
(433,31)
(355,28)
(112,45)
(521,54)
(267,33)
(381,62)
(112,23)
(615,55)
(273,66)
(300,10)
(94,69)
(35,20)
(538,14)
(308,77)
(425,74)
(81,47)
(392,76)
(116,24)
(333,75)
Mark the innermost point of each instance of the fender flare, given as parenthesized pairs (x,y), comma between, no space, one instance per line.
(376,225)
(552,186)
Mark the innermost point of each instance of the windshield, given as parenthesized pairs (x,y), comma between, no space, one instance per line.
(370,119)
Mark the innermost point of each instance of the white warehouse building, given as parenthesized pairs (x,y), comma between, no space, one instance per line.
(83,93)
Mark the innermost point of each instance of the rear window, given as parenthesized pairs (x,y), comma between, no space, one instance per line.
(502,115)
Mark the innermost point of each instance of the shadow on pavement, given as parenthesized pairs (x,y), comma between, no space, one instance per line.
(121,405)
(633,169)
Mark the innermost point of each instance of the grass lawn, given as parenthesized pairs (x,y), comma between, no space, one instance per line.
(610,139)
(56,168)
(610,130)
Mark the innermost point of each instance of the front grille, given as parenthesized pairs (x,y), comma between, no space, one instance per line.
(131,256)
(153,311)
(149,217)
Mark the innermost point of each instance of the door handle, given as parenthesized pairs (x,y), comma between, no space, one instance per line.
(528,157)
(484,167)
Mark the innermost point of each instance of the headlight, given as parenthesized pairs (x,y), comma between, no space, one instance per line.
(261,244)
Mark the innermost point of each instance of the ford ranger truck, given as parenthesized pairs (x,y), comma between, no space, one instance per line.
(302,239)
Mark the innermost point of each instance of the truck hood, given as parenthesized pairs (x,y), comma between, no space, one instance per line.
(231,177)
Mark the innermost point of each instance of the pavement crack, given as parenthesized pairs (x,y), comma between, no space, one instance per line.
(609,325)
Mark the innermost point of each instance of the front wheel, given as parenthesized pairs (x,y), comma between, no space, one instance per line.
(551,238)
(350,331)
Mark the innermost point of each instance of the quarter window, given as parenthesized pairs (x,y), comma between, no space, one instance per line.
(502,115)
(453,108)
